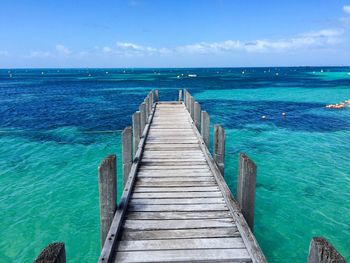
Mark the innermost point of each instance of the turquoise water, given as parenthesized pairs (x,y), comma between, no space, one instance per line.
(57,124)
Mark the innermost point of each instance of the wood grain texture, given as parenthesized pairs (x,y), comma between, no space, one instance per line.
(178,210)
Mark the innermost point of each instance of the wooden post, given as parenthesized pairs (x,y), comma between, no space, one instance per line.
(219,147)
(126,152)
(205,128)
(185,97)
(52,253)
(156,95)
(107,186)
(143,118)
(197,115)
(147,108)
(192,107)
(246,188)
(136,130)
(180,94)
(321,251)
(151,100)
(189,102)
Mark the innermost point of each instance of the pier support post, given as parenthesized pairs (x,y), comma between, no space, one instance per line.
(321,251)
(107,186)
(205,128)
(192,100)
(197,115)
(147,108)
(156,95)
(136,130)
(126,152)
(180,94)
(246,188)
(188,99)
(52,253)
(185,97)
(151,100)
(143,118)
(219,147)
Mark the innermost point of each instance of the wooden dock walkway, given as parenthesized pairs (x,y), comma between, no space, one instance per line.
(177,206)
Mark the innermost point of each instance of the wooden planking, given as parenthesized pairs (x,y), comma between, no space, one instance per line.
(170,179)
(140,189)
(191,243)
(202,255)
(175,184)
(176,224)
(179,215)
(177,201)
(180,208)
(180,233)
(173,173)
(177,195)
(177,212)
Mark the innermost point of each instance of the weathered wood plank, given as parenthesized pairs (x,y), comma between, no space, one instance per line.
(173,163)
(177,201)
(174,167)
(175,184)
(174,179)
(192,243)
(179,215)
(173,173)
(138,189)
(202,255)
(176,224)
(177,195)
(180,233)
(181,207)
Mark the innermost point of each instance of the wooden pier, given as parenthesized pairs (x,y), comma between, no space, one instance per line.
(176,206)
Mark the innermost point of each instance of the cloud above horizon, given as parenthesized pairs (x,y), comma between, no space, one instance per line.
(315,39)
(346,9)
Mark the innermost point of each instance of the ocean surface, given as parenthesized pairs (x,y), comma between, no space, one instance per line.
(56,125)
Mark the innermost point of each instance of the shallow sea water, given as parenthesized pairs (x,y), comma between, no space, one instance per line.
(57,124)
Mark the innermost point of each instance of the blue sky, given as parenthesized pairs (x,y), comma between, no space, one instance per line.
(164,33)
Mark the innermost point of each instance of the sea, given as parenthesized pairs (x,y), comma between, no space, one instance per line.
(56,125)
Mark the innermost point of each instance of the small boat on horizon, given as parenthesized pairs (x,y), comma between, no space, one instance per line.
(192,75)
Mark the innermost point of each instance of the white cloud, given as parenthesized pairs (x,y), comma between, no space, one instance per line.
(204,47)
(106,49)
(320,38)
(40,54)
(62,49)
(346,9)
(312,39)
(131,48)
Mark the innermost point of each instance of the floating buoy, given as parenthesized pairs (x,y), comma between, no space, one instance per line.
(283,114)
